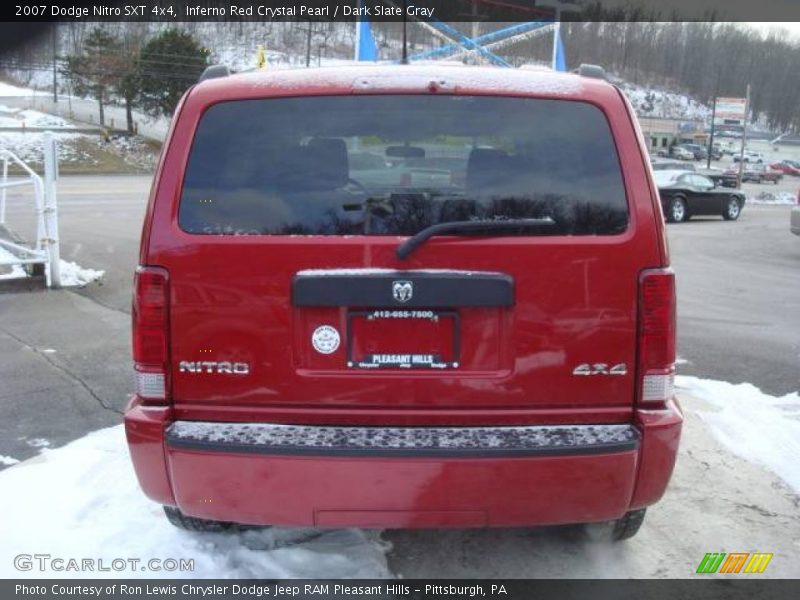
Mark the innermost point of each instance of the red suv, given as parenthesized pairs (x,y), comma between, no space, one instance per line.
(477,329)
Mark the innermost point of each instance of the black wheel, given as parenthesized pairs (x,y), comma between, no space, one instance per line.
(677,212)
(732,209)
(178,519)
(616,531)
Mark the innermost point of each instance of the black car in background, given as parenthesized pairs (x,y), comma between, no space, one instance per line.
(700,152)
(726,178)
(685,195)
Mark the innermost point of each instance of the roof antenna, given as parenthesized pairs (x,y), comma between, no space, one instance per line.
(404,60)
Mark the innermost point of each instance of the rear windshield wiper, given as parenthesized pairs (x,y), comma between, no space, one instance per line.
(415,241)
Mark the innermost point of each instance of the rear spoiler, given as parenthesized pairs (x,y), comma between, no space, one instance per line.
(214,72)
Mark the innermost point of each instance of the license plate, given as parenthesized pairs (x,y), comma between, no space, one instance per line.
(403,339)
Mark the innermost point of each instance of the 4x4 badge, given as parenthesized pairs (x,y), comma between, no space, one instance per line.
(600,369)
(402,291)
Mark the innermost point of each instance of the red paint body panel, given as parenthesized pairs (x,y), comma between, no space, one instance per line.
(292,491)
(575,302)
(144,430)
(379,492)
(661,434)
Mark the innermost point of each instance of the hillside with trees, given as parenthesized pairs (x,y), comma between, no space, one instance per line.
(146,65)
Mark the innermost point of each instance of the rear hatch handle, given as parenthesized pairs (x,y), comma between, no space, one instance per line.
(476,226)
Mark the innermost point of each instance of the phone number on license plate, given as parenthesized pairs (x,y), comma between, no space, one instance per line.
(402,314)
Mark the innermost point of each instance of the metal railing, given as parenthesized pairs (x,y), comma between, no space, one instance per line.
(45,249)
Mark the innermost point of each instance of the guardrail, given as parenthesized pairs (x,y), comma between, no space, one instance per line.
(46,249)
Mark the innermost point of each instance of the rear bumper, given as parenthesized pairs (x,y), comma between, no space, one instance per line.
(290,475)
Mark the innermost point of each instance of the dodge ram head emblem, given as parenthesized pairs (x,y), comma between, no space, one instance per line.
(402,291)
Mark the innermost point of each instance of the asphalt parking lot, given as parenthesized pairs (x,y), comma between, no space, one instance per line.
(64,368)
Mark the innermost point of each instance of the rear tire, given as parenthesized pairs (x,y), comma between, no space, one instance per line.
(677,211)
(182,521)
(615,531)
(732,209)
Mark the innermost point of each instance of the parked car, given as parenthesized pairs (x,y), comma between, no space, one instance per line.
(794,217)
(684,195)
(749,157)
(762,173)
(700,152)
(659,164)
(682,153)
(726,178)
(753,172)
(300,363)
(787,167)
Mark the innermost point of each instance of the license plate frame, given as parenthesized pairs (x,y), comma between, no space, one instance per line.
(415,362)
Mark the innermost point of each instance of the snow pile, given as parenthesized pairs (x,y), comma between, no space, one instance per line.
(649,102)
(7,460)
(101,513)
(72,274)
(783,198)
(760,428)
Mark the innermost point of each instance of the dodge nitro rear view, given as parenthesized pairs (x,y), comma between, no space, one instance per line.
(404,296)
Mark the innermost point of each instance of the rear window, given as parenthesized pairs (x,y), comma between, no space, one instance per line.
(394,165)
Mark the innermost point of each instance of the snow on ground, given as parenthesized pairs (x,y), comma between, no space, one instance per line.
(23,117)
(79,149)
(72,274)
(6,89)
(28,146)
(651,102)
(9,271)
(101,513)
(7,460)
(760,428)
(783,198)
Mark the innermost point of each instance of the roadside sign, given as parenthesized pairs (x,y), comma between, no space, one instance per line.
(731,109)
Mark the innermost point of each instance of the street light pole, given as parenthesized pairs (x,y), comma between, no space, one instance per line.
(744,137)
(713,122)
(55,82)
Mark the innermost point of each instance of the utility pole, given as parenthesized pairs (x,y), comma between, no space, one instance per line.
(55,82)
(744,137)
(308,46)
(713,121)
(711,138)
(404,57)
(475,24)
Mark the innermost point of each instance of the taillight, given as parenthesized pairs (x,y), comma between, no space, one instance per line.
(151,333)
(657,326)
